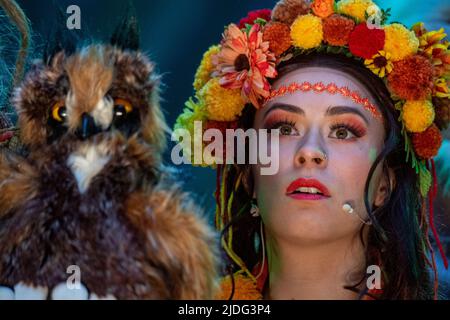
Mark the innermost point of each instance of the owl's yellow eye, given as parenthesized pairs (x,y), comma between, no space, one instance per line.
(59,112)
(122,107)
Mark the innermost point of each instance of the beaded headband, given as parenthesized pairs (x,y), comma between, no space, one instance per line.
(331,88)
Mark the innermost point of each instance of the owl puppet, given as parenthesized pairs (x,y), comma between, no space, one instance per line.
(91,212)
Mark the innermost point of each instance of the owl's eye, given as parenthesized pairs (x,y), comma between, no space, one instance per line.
(122,107)
(59,112)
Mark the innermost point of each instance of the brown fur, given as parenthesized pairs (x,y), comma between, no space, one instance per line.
(17,182)
(42,87)
(173,232)
(131,234)
(87,90)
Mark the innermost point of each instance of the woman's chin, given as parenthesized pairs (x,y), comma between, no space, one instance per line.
(313,226)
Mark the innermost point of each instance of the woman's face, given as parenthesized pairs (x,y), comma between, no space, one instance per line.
(326,137)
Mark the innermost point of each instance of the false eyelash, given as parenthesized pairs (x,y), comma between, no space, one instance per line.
(354,129)
(278,124)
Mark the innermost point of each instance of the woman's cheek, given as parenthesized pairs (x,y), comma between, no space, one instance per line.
(351,168)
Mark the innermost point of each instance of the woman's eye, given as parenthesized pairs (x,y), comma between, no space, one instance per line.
(285,128)
(342,133)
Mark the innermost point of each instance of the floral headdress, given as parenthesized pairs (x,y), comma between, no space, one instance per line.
(414,64)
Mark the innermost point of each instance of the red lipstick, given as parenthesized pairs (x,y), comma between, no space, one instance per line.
(312,189)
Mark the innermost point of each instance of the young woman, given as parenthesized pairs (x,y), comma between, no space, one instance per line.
(348,213)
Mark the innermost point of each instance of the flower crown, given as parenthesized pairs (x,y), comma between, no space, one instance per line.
(414,64)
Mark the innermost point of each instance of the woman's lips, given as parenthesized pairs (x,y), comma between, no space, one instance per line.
(306,189)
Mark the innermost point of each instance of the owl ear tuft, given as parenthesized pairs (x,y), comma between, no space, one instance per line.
(126,34)
(62,39)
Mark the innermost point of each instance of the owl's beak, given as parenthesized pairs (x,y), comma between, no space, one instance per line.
(88,128)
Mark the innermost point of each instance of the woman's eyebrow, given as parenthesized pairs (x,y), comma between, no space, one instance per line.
(338,110)
(331,111)
(285,107)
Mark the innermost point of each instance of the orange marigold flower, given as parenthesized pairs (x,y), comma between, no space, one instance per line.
(278,36)
(323,8)
(427,143)
(412,78)
(337,30)
(245,289)
(287,11)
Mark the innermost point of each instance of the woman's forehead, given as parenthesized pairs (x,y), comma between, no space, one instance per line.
(326,75)
(322,85)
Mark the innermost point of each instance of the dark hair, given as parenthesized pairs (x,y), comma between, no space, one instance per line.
(398,236)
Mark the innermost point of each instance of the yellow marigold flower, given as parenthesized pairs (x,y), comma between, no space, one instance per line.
(203,74)
(221,104)
(306,31)
(418,115)
(194,111)
(356,8)
(400,42)
(380,64)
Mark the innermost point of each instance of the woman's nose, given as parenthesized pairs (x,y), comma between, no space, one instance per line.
(311,153)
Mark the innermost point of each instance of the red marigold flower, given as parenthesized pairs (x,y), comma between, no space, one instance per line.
(278,35)
(364,42)
(253,15)
(337,29)
(427,143)
(412,78)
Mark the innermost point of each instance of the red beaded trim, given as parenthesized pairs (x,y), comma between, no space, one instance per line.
(332,88)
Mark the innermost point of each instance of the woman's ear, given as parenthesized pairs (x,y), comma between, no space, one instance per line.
(385,188)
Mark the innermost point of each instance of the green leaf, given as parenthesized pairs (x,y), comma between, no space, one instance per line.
(262,22)
(399,106)
(385,15)
(425,179)
(366,16)
(409,149)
